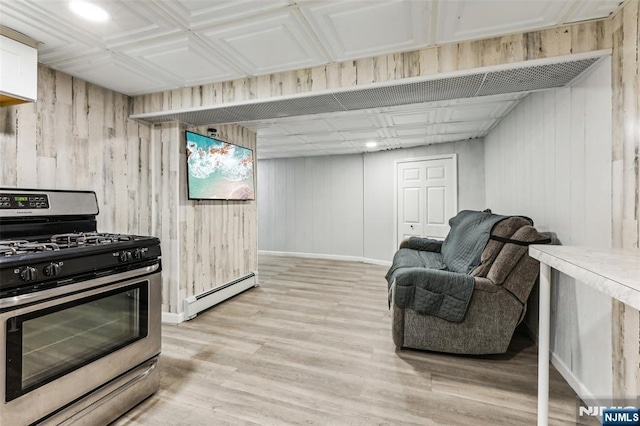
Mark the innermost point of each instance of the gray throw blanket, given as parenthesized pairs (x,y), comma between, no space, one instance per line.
(434,292)
(470,232)
(439,284)
(424,244)
(409,258)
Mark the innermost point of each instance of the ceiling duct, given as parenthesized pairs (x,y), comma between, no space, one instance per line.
(521,79)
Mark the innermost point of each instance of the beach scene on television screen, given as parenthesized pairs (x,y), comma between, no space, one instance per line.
(219,170)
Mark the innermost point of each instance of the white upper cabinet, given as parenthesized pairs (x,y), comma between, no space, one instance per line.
(18,72)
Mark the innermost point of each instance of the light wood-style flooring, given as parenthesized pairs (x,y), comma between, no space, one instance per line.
(312,345)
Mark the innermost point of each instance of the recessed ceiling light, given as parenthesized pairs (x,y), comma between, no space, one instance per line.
(88,11)
(372,144)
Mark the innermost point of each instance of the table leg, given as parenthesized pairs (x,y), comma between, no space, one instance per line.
(543,344)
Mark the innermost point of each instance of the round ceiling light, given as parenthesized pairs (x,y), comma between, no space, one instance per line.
(88,11)
(372,144)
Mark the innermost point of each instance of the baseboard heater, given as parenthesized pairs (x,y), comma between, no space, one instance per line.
(198,303)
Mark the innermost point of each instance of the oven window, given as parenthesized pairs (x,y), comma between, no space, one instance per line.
(47,344)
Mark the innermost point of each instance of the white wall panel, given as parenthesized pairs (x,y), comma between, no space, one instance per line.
(343,205)
(550,159)
(311,205)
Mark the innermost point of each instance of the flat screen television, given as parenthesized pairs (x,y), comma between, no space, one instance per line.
(218,170)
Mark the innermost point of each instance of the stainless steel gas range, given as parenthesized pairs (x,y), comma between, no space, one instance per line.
(79,312)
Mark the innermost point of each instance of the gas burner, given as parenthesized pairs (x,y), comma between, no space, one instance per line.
(117,237)
(40,247)
(89,239)
(14,247)
(11,247)
(7,250)
(69,240)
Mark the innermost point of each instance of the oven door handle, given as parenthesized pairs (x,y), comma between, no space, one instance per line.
(9,303)
(108,392)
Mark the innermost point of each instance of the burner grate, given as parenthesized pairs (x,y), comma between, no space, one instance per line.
(13,247)
(88,238)
(40,247)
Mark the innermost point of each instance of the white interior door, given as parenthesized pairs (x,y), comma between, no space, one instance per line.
(427,197)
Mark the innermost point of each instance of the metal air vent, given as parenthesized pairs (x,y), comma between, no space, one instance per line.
(412,93)
(516,79)
(196,117)
(286,108)
(533,78)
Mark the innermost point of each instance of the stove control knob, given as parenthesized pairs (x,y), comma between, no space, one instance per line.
(126,256)
(139,254)
(29,274)
(52,269)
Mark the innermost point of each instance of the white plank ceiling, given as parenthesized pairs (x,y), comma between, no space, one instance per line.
(153,45)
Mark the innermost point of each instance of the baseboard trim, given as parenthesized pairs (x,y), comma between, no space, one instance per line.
(171,318)
(193,305)
(576,384)
(376,261)
(325,256)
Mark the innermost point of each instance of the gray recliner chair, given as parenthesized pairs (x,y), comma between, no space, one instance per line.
(501,280)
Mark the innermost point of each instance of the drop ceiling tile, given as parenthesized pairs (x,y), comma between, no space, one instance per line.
(54,42)
(366,135)
(303,148)
(414,117)
(130,21)
(272,130)
(472,19)
(358,120)
(114,73)
(257,126)
(273,141)
(353,29)
(184,60)
(322,137)
(201,13)
(268,44)
(589,9)
(466,127)
(409,131)
(307,126)
(389,132)
(334,146)
(476,112)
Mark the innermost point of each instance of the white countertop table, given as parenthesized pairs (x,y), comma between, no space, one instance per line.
(614,272)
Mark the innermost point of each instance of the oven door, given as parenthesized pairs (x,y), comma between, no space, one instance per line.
(59,350)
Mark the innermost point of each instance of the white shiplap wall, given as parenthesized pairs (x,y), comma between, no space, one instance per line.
(550,159)
(343,205)
(311,205)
